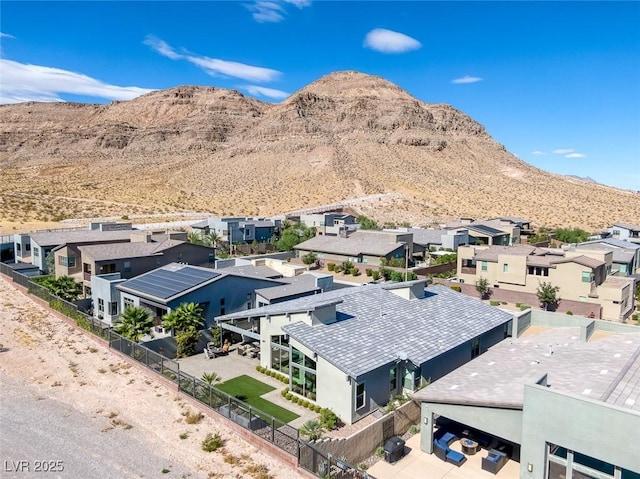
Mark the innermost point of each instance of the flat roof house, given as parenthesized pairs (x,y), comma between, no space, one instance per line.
(625,232)
(352,350)
(368,247)
(626,255)
(241,230)
(581,274)
(564,397)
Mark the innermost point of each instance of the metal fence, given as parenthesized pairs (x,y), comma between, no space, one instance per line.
(280,434)
(325,465)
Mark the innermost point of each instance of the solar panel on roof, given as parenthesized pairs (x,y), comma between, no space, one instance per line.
(164,283)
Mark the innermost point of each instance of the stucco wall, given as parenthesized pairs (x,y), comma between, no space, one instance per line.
(576,423)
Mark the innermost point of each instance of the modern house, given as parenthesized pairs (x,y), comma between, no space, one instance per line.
(332,223)
(240,230)
(362,246)
(352,350)
(562,397)
(216,291)
(22,247)
(626,255)
(45,242)
(497,231)
(425,240)
(625,232)
(581,274)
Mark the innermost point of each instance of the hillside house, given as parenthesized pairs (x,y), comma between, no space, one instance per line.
(353,349)
(240,230)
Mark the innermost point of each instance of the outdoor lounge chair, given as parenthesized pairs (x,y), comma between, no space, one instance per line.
(494,461)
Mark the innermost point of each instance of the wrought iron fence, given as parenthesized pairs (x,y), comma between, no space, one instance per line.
(280,434)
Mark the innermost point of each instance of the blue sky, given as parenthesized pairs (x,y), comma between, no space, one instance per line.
(558,83)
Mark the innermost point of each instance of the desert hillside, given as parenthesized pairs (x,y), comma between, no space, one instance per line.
(346,135)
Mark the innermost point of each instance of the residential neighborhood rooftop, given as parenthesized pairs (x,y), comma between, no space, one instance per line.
(360,242)
(55,238)
(295,285)
(259,271)
(605,368)
(102,252)
(376,326)
(169,281)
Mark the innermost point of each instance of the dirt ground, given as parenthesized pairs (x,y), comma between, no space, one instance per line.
(100,414)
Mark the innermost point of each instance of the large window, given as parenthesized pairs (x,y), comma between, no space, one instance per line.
(483,265)
(100,305)
(107,268)
(67,261)
(393,379)
(586,276)
(128,303)
(113,308)
(475,348)
(280,353)
(360,396)
(505,268)
(303,374)
(563,463)
(127,267)
(36,252)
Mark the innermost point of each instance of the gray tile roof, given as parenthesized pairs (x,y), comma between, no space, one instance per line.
(104,252)
(484,229)
(619,255)
(56,238)
(581,260)
(304,283)
(424,237)
(607,368)
(376,326)
(254,271)
(614,242)
(492,252)
(359,242)
(513,219)
(628,226)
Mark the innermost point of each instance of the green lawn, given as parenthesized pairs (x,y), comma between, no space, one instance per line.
(249,390)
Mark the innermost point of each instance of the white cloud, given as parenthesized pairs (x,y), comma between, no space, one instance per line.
(575,155)
(563,151)
(387,41)
(299,3)
(214,66)
(6,35)
(466,79)
(24,82)
(538,153)
(266,12)
(161,47)
(262,91)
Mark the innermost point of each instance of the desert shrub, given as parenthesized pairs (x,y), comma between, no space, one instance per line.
(635,317)
(570,313)
(494,303)
(355,271)
(347,265)
(414,429)
(368,271)
(284,392)
(331,266)
(518,304)
(328,419)
(192,417)
(524,306)
(503,302)
(457,288)
(337,269)
(212,442)
(288,396)
(375,275)
(304,403)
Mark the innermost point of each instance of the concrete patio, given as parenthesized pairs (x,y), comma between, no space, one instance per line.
(420,464)
(234,365)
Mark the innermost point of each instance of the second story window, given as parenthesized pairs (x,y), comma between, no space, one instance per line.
(67,261)
(505,268)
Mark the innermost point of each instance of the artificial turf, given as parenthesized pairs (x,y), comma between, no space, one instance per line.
(247,389)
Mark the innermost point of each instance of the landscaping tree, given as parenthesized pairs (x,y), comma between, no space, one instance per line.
(571,235)
(195,238)
(309,258)
(548,295)
(367,223)
(293,235)
(211,378)
(482,287)
(65,287)
(134,323)
(312,430)
(216,336)
(211,239)
(185,321)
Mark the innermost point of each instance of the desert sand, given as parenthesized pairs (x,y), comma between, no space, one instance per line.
(68,398)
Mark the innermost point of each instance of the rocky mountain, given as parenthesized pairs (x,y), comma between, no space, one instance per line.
(346,135)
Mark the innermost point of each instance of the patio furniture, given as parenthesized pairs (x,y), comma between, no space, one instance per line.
(494,461)
(444,452)
(469,446)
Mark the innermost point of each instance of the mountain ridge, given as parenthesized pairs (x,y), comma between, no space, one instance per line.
(344,135)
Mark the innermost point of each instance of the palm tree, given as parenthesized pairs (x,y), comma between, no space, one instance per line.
(312,430)
(67,288)
(211,239)
(194,237)
(134,323)
(211,378)
(185,316)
